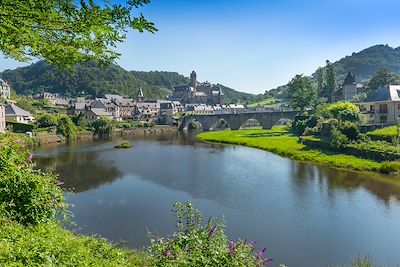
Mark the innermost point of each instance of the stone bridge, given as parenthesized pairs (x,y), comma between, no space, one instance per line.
(267,119)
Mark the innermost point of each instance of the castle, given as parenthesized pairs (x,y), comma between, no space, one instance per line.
(198,93)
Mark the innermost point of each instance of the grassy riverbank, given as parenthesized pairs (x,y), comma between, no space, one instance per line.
(279,141)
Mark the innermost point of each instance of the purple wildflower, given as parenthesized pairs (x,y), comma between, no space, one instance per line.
(170,238)
(252,244)
(17,141)
(30,157)
(231,247)
(261,253)
(167,254)
(266,261)
(212,230)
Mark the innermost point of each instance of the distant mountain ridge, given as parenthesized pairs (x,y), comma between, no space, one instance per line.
(95,80)
(368,61)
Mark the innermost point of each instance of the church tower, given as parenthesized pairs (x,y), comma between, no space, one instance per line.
(193,79)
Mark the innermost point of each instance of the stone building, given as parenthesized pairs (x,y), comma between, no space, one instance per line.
(5,89)
(348,89)
(198,93)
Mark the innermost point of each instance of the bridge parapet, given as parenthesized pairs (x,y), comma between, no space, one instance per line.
(266,119)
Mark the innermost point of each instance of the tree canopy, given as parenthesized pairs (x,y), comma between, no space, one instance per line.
(67,32)
(381,78)
(302,92)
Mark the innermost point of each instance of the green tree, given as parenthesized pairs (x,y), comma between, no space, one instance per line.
(103,127)
(47,120)
(67,32)
(381,78)
(321,85)
(302,92)
(331,84)
(66,127)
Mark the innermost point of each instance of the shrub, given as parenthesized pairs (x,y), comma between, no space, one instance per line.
(349,129)
(124,144)
(66,127)
(47,120)
(390,166)
(342,111)
(196,245)
(337,139)
(299,126)
(18,127)
(27,196)
(103,127)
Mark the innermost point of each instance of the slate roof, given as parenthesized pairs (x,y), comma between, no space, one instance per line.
(350,79)
(16,111)
(385,94)
(100,112)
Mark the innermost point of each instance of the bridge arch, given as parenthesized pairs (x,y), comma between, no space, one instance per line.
(266,119)
(250,123)
(220,124)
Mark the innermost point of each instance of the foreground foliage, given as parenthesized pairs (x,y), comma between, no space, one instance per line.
(27,196)
(67,32)
(195,244)
(48,244)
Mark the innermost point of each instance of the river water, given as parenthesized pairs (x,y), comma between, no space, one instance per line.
(305,214)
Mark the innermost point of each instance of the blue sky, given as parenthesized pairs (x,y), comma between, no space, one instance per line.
(255,45)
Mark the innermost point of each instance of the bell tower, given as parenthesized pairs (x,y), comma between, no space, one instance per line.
(193,79)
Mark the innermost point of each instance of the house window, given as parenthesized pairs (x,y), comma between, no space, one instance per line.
(383,119)
(398,105)
(383,108)
(372,108)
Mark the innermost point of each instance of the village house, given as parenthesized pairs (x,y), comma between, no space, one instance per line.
(109,106)
(17,114)
(166,112)
(5,89)
(382,106)
(147,110)
(201,109)
(2,119)
(93,114)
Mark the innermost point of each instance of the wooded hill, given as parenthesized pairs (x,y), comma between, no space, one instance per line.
(363,64)
(92,79)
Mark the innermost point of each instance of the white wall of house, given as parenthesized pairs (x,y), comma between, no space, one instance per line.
(381,112)
(2,119)
(20,119)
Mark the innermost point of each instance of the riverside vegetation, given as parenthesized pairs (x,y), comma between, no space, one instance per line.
(331,136)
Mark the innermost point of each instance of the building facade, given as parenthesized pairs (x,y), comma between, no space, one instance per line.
(383,106)
(5,89)
(198,93)
(16,114)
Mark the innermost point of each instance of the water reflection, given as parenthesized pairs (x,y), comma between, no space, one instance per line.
(295,208)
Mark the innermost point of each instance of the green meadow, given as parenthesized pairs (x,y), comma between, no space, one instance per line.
(281,142)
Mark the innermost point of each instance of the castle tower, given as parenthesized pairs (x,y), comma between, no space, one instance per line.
(193,79)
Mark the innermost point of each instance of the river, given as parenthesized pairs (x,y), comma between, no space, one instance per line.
(305,214)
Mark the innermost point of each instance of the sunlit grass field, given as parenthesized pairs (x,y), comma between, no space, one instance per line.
(279,141)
